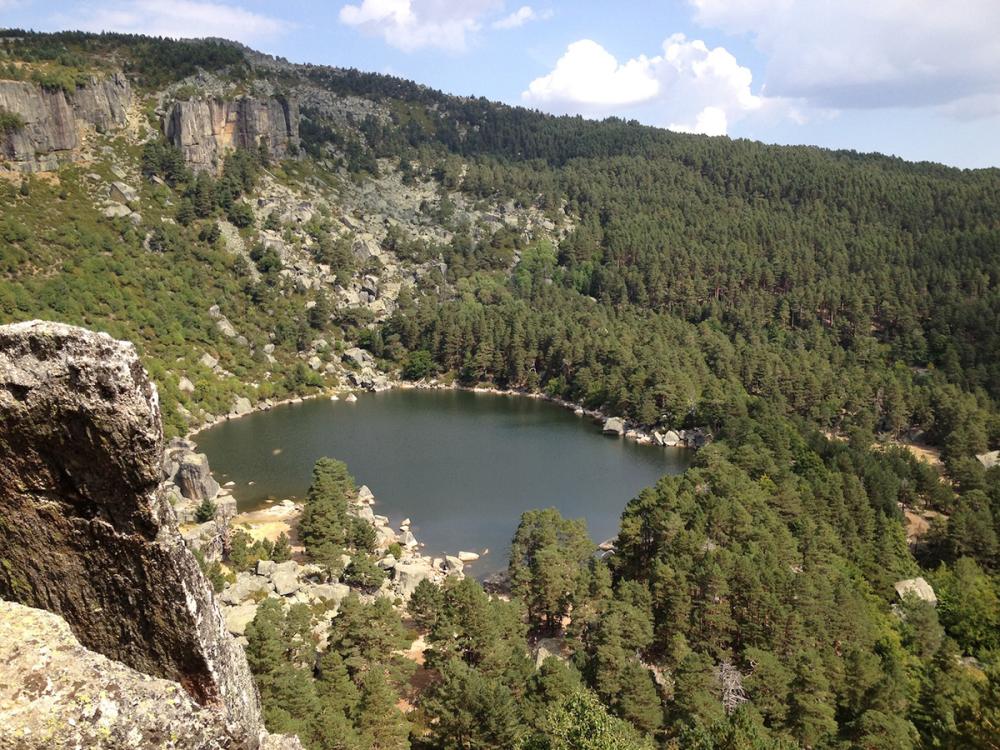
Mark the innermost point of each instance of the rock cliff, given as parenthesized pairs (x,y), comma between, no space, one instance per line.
(53,120)
(86,531)
(206,129)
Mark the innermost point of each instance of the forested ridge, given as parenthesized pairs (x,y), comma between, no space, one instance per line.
(815,311)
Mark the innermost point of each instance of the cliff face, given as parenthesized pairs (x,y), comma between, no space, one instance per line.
(53,120)
(205,129)
(85,530)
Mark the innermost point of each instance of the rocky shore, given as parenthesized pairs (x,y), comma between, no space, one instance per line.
(189,483)
(610,425)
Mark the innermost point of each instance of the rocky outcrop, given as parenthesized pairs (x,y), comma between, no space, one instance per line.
(989,460)
(53,120)
(205,130)
(614,426)
(55,693)
(88,532)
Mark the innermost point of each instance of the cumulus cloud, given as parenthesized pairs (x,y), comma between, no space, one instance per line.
(410,25)
(521,16)
(178,19)
(688,87)
(864,54)
(589,76)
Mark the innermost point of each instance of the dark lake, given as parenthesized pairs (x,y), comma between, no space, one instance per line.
(462,466)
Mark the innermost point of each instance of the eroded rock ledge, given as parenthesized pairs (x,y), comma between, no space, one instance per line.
(85,529)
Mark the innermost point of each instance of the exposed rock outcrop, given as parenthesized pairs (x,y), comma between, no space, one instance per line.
(55,693)
(205,130)
(52,120)
(614,426)
(88,532)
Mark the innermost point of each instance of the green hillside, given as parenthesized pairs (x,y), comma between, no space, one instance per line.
(817,312)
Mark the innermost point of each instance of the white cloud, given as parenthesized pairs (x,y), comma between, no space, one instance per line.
(410,25)
(688,87)
(588,75)
(521,16)
(865,54)
(177,18)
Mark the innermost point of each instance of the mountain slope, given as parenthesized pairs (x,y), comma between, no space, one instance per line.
(247,222)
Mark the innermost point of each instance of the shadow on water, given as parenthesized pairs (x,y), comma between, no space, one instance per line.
(463,466)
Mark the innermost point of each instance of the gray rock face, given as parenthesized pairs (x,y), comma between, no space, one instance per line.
(409,574)
(241,406)
(88,532)
(245,587)
(195,479)
(206,130)
(45,675)
(614,426)
(285,582)
(52,120)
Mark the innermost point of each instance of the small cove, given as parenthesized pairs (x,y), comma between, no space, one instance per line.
(462,466)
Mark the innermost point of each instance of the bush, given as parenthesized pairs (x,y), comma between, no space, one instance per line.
(205,511)
(10,122)
(419,365)
(240,214)
(363,573)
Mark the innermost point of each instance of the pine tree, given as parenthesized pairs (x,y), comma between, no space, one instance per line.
(811,715)
(381,724)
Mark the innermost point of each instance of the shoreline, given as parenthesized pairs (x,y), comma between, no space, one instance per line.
(635,434)
(264,521)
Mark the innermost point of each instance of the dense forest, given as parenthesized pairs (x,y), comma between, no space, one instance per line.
(816,312)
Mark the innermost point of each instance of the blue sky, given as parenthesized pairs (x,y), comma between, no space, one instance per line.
(915,78)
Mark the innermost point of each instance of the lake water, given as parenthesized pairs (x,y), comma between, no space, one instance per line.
(462,466)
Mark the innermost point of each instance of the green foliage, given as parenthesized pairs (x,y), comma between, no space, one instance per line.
(969,605)
(10,122)
(245,552)
(240,214)
(548,565)
(764,293)
(581,722)
(362,572)
(471,709)
(205,511)
(419,365)
(327,529)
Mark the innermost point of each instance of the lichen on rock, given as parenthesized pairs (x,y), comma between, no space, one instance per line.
(86,529)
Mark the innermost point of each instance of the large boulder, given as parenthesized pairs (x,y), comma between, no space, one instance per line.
(194,477)
(246,586)
(241,406)
(332,593)
(285,582)
(88,534)
(238,617)
(989,460)
(408,574)
(614,426)
(917,587)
